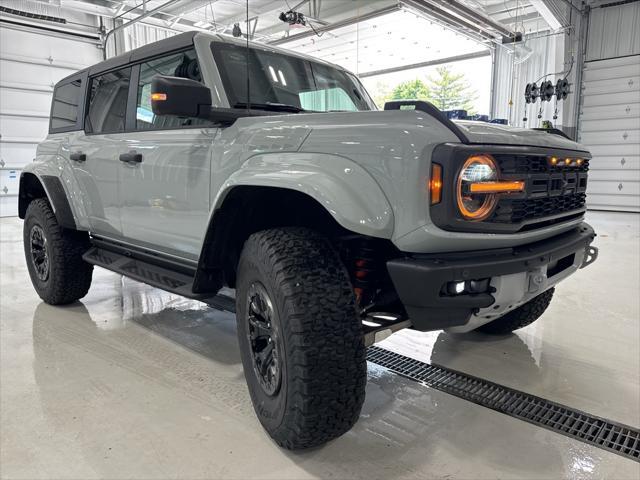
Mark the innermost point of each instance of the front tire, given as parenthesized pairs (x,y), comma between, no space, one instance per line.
(300,337)
(520,317)
(54,256)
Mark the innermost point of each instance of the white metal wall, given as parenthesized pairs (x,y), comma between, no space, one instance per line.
(613,31)
(31,62)
(609,121)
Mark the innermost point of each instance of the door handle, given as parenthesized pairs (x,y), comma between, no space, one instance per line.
(131,157)
(78,157)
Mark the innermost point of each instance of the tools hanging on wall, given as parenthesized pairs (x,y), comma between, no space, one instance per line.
(546,92)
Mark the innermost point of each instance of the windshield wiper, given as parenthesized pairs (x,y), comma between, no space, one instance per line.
(276,107)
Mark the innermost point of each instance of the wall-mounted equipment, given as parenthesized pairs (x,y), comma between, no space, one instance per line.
(562,89)
(546,91)
(293,18)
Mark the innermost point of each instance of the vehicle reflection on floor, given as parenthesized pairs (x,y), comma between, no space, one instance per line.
(164,341)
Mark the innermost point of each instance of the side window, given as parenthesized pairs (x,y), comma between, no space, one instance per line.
(64,110)
(108,102)
(183,64)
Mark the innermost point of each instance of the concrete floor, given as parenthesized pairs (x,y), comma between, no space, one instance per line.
(134,382)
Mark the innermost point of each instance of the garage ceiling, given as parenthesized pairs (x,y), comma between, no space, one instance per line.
(387,33)
(220,15)
(398,38)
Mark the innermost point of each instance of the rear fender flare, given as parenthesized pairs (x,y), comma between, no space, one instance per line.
(60,186)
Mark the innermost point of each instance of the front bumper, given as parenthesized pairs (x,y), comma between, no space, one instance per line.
(419,279)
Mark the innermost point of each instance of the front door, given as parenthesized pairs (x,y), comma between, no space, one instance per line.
(165,185)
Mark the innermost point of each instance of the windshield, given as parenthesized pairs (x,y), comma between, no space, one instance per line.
(278,79)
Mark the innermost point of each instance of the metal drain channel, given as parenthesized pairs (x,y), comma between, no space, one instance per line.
(615,437)
(608,435)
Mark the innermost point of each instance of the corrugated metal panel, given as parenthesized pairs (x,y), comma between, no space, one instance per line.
(31,62)
(614,32)
(512,77)
(610,126)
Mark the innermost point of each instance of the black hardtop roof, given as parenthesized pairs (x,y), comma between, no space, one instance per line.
(182,40)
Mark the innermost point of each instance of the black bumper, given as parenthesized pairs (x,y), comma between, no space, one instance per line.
(419,279)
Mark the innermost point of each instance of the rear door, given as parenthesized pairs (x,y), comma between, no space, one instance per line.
(94,153)
(165,186)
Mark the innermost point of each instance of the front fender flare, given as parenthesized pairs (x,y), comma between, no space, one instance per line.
(345,189)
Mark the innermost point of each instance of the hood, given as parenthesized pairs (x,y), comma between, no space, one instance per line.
(492,133)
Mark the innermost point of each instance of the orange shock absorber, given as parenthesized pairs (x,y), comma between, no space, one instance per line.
(364,270)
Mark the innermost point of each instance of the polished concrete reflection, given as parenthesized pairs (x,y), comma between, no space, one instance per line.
(134,382)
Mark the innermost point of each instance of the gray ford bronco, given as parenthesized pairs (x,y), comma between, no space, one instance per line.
(198,163)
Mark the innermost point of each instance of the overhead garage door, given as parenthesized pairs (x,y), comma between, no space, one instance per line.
(610,127)
(610,106)
(31,62)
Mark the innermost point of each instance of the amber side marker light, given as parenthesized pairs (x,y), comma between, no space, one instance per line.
(158,97)
(435,184)
(496,187)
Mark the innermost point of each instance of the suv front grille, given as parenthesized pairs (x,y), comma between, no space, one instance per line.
(516,211)
(513,164)
(554,193)
(551,190)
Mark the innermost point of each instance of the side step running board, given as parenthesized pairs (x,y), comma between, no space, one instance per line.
(379,325)
(154,275)
(376,326)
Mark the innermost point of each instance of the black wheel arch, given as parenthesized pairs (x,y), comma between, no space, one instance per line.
(247,210)
(33,187)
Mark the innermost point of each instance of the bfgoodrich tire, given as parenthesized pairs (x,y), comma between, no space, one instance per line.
(300,337)
(54,256)
(520,317)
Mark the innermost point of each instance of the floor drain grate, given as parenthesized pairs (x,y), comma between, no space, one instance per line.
(612,436)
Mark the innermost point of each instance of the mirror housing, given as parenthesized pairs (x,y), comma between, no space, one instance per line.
(178,96)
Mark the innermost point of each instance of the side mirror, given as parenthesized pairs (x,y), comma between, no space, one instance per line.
(178,96)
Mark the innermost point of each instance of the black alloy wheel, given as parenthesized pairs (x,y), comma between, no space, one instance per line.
(263,339)
(39,252)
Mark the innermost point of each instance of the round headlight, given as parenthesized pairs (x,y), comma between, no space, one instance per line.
(476,206)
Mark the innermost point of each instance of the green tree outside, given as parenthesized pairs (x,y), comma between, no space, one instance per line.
(411,89)
(446,90)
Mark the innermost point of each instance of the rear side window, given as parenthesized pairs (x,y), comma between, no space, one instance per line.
(183,64)
(108,102)
(64,109)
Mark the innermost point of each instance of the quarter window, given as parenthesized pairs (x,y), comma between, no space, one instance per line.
(108,102)
(183,64)
(64,110)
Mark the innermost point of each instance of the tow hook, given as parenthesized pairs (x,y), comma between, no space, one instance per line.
(590,256)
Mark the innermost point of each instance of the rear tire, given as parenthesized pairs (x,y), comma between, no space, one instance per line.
(520,317)
(54,256)
(296,310)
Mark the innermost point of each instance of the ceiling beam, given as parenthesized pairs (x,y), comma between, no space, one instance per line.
(430,63)
(547,14)
(335,25)
(427,10)
(474,16)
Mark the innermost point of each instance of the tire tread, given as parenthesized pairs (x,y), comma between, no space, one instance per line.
(520,317)
(69,275)
(323,335)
